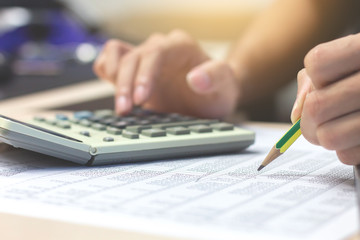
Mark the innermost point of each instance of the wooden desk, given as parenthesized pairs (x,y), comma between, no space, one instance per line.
(92,94)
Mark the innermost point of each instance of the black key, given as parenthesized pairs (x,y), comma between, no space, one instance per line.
(184,124)
(85,133)
(95,118)
(119,124)
(108,121)
(108,139)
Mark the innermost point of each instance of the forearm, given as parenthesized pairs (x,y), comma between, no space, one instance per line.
(272,50)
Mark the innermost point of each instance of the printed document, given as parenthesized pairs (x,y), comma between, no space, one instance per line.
(307,193)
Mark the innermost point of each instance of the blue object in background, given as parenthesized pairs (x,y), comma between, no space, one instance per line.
(48,42)
(51,49)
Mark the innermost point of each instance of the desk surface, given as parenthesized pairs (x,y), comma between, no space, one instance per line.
(56,98)
(50,229)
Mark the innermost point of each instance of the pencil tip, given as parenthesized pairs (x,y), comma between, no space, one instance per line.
(261,167)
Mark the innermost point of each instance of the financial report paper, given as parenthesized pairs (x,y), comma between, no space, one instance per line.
(304,194)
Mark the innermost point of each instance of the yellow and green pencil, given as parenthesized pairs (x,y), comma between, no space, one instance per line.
(283,144)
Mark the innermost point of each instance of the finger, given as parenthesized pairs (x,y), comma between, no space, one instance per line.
(335,100)
(149,68)
(215,78)
(304,87)
(98,66)
(331,61)
(308,116)
(114,50)
(349,156)
(124,83)
(202,79)
(341,133)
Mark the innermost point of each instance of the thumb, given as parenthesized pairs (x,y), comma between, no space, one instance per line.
(304,87)
(209,77)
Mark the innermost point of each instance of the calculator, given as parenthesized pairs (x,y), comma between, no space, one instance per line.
(102,137)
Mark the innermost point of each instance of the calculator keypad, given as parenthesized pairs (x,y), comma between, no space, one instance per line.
(139,123)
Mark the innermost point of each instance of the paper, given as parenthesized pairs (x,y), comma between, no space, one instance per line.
(305,194)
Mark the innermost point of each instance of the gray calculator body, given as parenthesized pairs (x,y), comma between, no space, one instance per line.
(94,139)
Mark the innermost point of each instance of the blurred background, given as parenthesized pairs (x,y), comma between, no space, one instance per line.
(50,43)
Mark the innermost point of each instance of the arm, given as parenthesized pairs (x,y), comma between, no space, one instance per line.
(171,73)
(272,50)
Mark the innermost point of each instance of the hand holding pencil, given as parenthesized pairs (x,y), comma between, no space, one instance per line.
(328,98)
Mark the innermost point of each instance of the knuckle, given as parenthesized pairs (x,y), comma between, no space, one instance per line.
(155,37)
(314,59)
(152,50)
(315,56)
(112,43)
(180,35)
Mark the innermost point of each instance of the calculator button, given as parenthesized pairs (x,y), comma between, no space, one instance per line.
(85,133)
(85,123)
(51,121)
(178,131)
(63,124)
(75,120)
(39,119)
(107,121)
(108,139)
(98,126)
(138,112)
(82,114)
(222,126)
(153,132)
(95,118)
(137,128)
(143,122)
(130,135)
(104,113)
(113,130)
(60,116)
(178,117)
(128,119)
(165,120)
(185,124)
(186,118)
(200,129)
(119,124)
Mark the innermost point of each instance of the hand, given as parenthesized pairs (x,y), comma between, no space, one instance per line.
(168,73)
(328,98)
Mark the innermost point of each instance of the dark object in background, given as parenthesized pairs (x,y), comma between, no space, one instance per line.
(51,49)
(5,69)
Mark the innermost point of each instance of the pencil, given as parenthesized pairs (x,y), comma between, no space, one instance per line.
(283,144)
